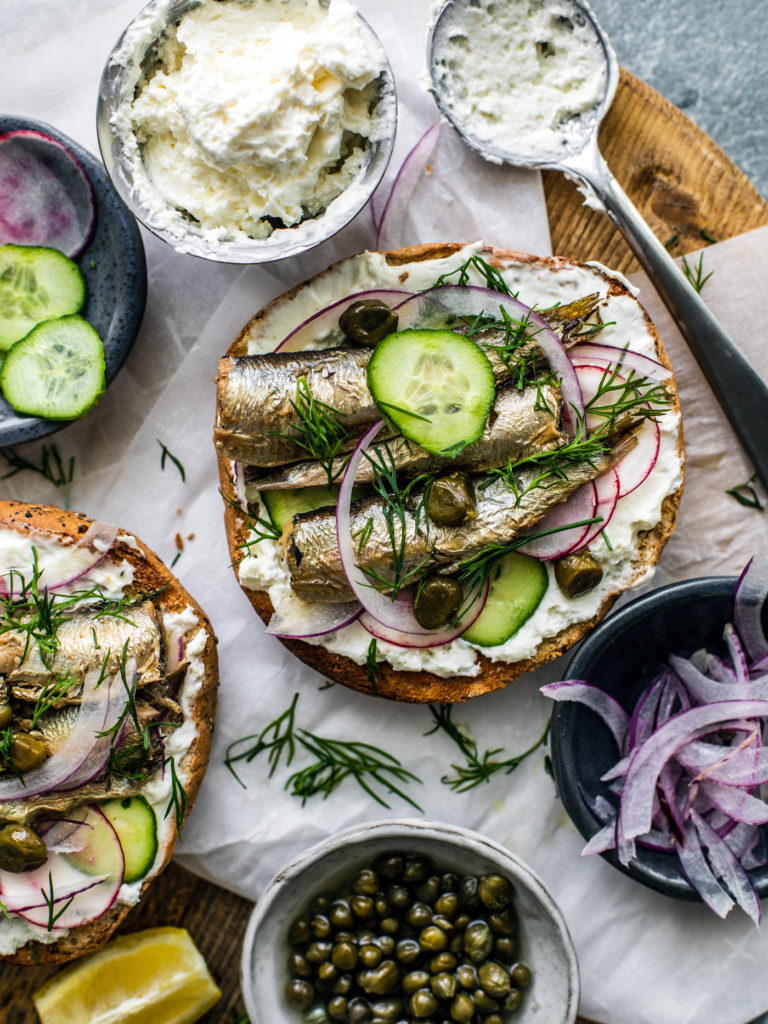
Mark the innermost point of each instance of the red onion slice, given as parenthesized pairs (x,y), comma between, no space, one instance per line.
(607,490)
(66,564)
(46,197)
(726,867)
(430,308)
(322,323)
(610,357)
(737,804)
(611,712)
(749,599)
(64,835)
(699,873)
(429,638)
(581,505)
(298,620)
(388,230)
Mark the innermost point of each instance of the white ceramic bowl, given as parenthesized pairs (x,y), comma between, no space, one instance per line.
(123,70)
(544,940)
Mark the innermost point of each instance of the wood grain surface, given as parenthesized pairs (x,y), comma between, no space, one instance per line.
(689,192)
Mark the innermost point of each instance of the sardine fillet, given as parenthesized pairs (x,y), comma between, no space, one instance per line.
(520,424)
(311,551)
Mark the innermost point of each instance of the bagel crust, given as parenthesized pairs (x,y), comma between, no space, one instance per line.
(48,522)
(424,686)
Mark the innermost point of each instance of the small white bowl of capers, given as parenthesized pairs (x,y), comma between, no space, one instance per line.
(408,922)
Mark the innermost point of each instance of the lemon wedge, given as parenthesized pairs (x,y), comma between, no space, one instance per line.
(151,977)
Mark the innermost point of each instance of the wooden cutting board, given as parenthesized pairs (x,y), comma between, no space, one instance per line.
(690,193)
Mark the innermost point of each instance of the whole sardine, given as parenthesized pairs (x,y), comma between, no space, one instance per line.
(520,424)
(311,551)
(58,804)
(84,641)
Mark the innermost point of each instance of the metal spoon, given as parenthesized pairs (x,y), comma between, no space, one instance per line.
(741,392)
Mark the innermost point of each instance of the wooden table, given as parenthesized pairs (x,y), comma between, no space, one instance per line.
(690,193)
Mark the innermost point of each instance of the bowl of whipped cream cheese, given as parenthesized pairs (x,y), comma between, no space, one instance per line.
(246,131)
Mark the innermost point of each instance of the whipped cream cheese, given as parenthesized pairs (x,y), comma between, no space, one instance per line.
(113,579)
(520,76)
(537,285)
(251,114)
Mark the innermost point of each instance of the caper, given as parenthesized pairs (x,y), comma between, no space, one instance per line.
(298,966)
(429,889)
(299,994)
(327,972)
(382,980)
(337,1008)
(495,892)
(386,944)
(399,897)
(299,933)
(514,1000)
(451,500)
(21,848)
(367,321)
(318,952)
(433,939)
(380,904)
(484,1002)
(408,951)
(370,955)
(438,599)
(494,979)
(456,945)
(361,906)
(447,904)
(423,1003)
(340,915)
(504,948)
(442,962)
(443,922)
(468,892)
(417,868)
(522,975)
(415,980)
(467,976)
(387,1009)
(343,985)
(493,1018)
(359,1011)
(478,941)
(462,1007)
(316,1015)
(577,574)
(27,752)
(462,920)
(6,715)
(443,985)
(390,926)
(390,866)
(504,922)
(321,926)
(420,915)
(365,882)
(320,904)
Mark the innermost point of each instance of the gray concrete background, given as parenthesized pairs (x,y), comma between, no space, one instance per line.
(710,58)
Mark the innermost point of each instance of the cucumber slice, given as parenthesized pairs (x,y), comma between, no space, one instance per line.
(36,284)
(436,386)
(518,584)
(284,505)
(57,371)
(135,822)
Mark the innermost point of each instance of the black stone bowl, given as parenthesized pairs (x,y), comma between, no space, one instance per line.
(115,272)
(622,656)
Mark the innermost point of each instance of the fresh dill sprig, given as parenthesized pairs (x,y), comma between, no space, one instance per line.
(51,465)
(672,241)
(241,1018)
(179,801)
(7,739)
(707,235)
(167,454)
(264,529)
(130,710)
(696,275)
(492,277)
(4,912)
(404,412)
(371,663)
(477,768)
(320,433)
(50,900)
(277,738)
(49,695)
(746,494)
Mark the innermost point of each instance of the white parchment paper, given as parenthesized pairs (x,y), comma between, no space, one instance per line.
(644,959)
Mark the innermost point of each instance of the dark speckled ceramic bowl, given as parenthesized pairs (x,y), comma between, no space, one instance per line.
(622,656)
(115,273)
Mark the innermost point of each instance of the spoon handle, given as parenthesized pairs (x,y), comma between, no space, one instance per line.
(739,389)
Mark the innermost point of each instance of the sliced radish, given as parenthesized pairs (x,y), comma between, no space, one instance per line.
(581,505)
(45,195)
(607,488)
(298,619)
(638,463)
(388,228)
(91,876)
(64,835)
(433,307)
(321,324)
(428,638)
(591,352)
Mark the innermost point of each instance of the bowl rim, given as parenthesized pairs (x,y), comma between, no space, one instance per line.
(395,829)
(283,243)
(566,780)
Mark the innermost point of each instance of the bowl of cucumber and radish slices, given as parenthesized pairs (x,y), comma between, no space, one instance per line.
(72,280)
